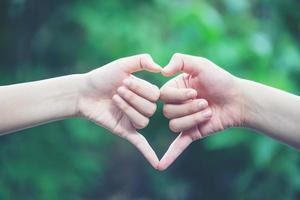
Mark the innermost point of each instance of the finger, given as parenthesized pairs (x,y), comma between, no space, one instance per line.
(137,119)
(143,146)
(143,88)
(179,110)
(182,141)
(142,105)
(186,63)
(187,122)
(139,62)
(175,95)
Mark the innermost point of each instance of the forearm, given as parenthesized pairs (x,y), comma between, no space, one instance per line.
(30,104)
(272,111)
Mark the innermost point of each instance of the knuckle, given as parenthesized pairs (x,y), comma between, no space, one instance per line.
(134,86)
(195,136)
(196,119)
(162,89)
(172,126)
(151,110)
(176,55)
(143,123)
(137,126)
(163,94)
(204,61)
(199,119)
(124,107)
(123,134)
(156,93)
(205,102)
(146,55)
(154,108)
(166,111)
(130,96)
(120,60)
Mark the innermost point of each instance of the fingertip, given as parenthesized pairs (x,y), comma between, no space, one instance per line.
(173,126)
(160,167)
(166,71)
(154,163)
(149,64)
(202,103)
(140,142)
(207,114)
(191,93)
(156,67)
(157,166)
(156,94)
(163,164)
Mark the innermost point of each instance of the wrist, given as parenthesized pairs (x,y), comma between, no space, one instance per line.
(86,86)
(249,100)
(72,92)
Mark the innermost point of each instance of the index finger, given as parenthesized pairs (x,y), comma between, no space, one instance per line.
(175,95)
(142,88)
(182,141)
(140,142)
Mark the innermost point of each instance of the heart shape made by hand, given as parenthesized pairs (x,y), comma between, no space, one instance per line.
(201,101)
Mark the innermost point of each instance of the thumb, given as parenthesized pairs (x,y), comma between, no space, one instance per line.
(182,141)
(140,142)
(181,62)
(139,62)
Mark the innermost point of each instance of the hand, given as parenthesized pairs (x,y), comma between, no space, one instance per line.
(113,98)
(204,100)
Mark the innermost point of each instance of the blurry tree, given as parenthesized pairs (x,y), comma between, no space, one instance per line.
(75,159)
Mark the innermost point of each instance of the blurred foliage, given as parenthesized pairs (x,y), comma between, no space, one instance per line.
(75,159)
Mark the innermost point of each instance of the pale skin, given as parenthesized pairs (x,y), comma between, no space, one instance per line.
(205,99)
(109,96)
(220,100)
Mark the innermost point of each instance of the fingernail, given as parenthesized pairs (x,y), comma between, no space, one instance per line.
(202,104)
(207,113)
(191,94)
(165,68)
(166,71)
(157,66)
(126,82)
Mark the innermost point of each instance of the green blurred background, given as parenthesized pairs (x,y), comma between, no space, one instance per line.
(75,159)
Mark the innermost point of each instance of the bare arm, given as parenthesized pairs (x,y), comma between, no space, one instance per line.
(30,104)
(272,111)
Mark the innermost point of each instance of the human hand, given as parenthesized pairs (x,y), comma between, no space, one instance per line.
(204,100)
(113,98)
